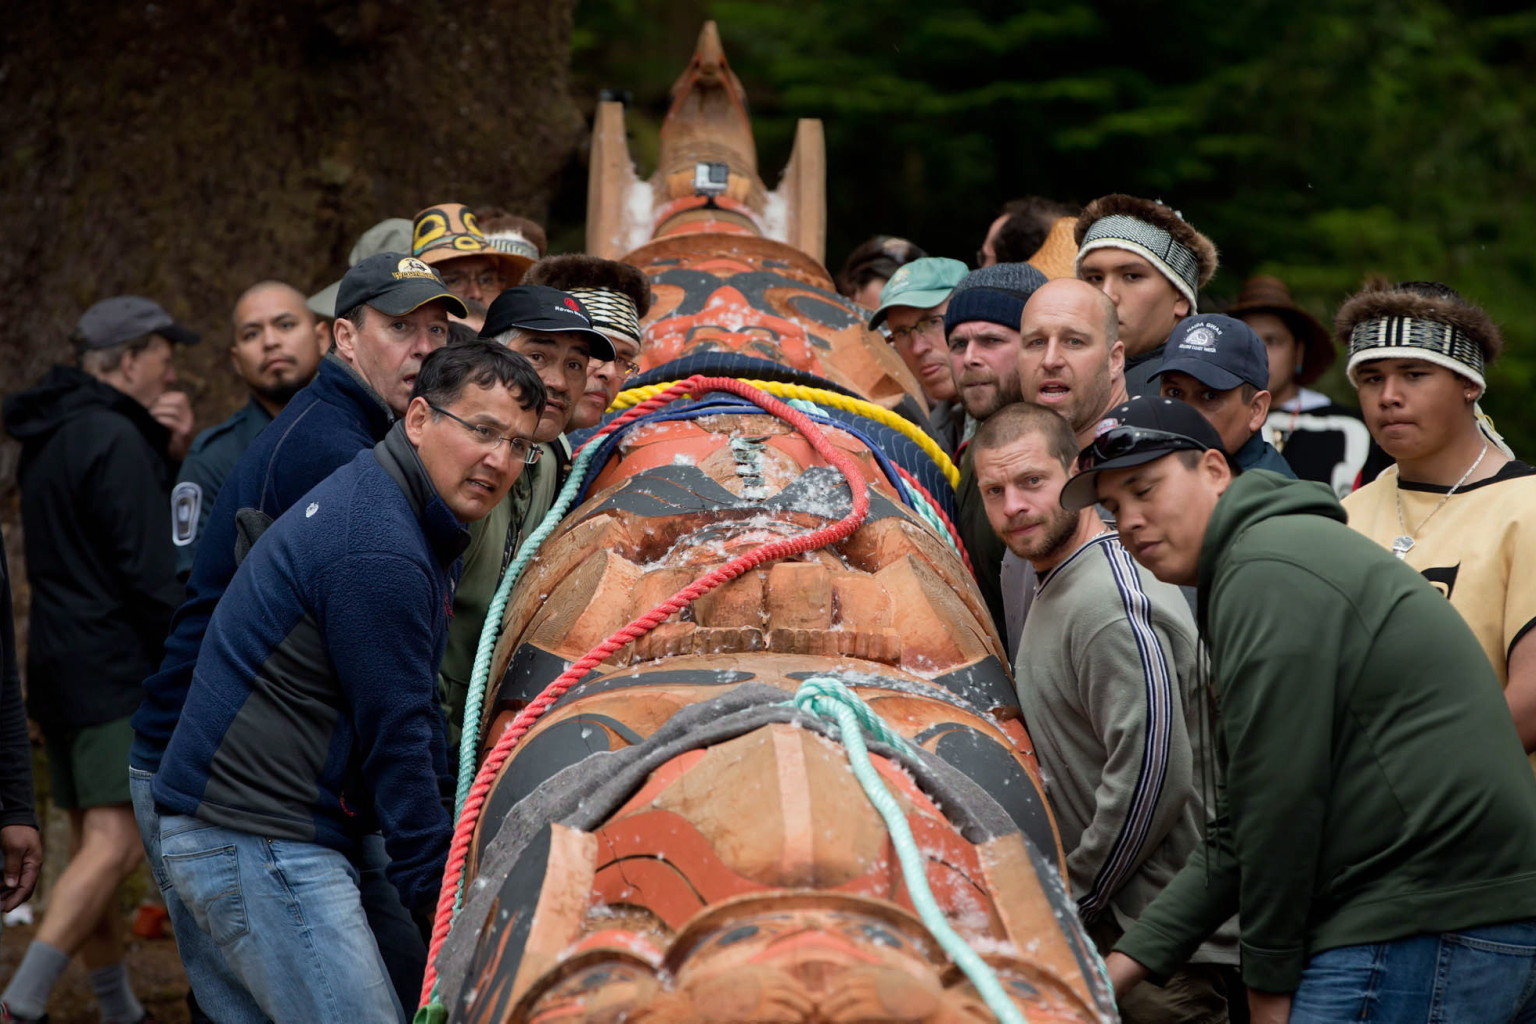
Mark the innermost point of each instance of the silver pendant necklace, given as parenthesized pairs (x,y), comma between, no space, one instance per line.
(1404,543)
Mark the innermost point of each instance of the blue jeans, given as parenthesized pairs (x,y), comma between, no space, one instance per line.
(288,917)
(1483,975)
(217,989)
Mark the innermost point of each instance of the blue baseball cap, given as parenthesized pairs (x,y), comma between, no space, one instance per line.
(1218,351)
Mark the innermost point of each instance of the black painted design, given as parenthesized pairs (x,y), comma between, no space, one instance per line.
(549,751)
(1443,578)
(518,897)
(993,767)
(682,490)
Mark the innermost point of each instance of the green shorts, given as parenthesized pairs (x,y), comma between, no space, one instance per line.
(89,766)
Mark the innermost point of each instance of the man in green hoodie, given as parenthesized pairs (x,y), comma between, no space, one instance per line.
(1375,828)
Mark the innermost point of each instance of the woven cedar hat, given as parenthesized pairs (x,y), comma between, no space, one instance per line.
(448,231)
(1265,294)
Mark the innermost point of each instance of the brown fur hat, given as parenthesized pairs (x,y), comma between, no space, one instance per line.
(579,271)
(1419,300)
(1158,215)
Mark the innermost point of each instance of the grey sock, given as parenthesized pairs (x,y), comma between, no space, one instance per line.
(32,984)
(113,993)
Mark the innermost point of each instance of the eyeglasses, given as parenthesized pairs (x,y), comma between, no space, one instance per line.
(527,450)
(627,368)
(1123,441)
(487,280)
(904,335)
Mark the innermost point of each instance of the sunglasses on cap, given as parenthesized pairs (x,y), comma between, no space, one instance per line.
(1123,441)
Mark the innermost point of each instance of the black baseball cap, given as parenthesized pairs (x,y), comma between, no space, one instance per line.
(123,318)
(1218,351)
(394,283)
(537,307)
(1134,433)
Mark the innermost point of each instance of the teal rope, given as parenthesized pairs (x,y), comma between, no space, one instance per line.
(490,632)
(828,698)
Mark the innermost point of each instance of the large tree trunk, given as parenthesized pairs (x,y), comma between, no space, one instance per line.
(185,149)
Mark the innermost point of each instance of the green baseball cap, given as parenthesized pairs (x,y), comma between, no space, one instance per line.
(920,284)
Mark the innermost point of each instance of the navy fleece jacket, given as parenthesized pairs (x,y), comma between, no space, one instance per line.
(313,713)
(322,428)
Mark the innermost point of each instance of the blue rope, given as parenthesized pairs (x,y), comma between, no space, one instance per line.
(828,698)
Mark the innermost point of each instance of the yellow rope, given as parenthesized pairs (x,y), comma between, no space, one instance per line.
(869,410)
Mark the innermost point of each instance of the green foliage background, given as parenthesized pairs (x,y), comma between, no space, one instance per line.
(1321,145)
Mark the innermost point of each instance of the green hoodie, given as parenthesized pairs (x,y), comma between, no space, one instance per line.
(1374,787)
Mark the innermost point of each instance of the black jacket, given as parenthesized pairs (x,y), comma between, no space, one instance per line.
(95,489)
(15,750)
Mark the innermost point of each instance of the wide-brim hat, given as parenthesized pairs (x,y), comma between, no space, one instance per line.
(1264,294)
(1058,253)
(449,231)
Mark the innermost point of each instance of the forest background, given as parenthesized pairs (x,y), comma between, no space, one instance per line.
(186,149)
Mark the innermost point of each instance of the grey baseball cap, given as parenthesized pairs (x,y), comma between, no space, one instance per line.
(390,235)
(125,317)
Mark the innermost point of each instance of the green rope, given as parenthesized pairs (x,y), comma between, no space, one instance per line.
(828,698)
(490,632)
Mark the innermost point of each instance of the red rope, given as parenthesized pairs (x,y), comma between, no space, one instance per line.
(954,536)
(458,850)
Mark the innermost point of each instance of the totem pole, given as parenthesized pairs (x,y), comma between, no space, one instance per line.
(782,775)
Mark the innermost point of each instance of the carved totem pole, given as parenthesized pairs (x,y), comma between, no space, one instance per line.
(673,840)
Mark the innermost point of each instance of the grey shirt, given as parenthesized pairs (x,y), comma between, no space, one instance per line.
(1107,677)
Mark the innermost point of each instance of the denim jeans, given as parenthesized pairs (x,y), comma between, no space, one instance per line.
(288,917)
(1483,975)
(218,991)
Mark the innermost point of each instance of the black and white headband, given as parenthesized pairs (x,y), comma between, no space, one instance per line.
(613,313)
(1401,337)
(1173,259)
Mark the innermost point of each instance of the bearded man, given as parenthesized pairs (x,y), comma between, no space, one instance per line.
(1107,679)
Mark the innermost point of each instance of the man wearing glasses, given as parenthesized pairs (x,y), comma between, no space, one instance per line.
(392,311)
(448,238)
(313,718)
(554,331)
(616,296)
(1374,821)
(911,317)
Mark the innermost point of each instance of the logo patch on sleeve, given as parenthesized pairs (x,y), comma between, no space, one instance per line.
(186,504)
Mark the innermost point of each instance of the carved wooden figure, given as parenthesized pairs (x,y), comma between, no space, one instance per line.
(672,841)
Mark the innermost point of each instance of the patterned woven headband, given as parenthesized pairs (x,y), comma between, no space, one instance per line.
(513,243)
(1387,337)
(1151,240)
(612,312)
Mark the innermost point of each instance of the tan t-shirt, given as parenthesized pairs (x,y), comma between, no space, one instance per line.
(1479,550)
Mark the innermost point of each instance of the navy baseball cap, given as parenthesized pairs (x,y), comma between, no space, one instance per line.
(537,307)
(1134,433)
(123,318)
(394,283)
(1218,351)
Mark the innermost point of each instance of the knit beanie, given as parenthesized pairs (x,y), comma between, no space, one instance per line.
(994,294)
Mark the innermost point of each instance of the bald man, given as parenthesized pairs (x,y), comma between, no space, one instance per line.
(1071,360)
(276,350)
